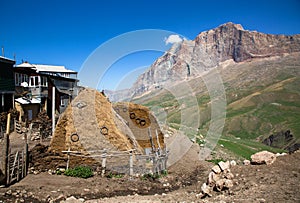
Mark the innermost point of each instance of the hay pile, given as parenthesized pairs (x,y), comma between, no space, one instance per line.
(141,122)
(90,124)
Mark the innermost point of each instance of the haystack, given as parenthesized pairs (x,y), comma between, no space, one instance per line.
(142,123)
(90,124)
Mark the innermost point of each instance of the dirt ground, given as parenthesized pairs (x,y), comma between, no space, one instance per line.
(278,182)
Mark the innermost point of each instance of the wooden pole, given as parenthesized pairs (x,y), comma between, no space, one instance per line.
(103,165)
(68,161)
(7,170)
(22,165)
(26,158)
(157,140)
(8,124)
(53,110)
(151,140)
(5,156)
(18,166)
(131,164)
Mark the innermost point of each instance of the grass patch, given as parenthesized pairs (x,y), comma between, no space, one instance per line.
(215,161)
(80,172)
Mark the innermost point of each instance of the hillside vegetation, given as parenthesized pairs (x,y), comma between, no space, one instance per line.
(263,98)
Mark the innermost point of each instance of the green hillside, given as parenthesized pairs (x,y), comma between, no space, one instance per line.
(263,97)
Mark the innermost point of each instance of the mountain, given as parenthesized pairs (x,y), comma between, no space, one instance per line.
(191,58)
(261,78)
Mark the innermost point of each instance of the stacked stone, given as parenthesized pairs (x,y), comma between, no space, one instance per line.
(220,178)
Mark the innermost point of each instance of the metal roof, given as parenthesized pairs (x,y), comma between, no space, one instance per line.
(22,100)
(46,68)
(2,58)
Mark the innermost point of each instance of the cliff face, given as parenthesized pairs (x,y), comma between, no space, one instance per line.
(190,58)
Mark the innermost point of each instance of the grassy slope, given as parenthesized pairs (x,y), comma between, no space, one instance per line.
(263,97)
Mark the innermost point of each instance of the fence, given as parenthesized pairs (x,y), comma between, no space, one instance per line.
(13,165)
(126,162)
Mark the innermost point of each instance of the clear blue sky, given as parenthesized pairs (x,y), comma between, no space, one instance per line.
(65,32)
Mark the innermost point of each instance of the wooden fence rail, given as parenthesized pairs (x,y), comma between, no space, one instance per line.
(152,163)
(14,166)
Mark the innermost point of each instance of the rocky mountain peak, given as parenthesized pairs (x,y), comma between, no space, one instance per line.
(229,41)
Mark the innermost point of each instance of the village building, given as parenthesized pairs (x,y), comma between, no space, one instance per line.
(34,88)
(7,86)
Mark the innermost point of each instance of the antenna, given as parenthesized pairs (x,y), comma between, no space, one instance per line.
(3,51)
(14,56)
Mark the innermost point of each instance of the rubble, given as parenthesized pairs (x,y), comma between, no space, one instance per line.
(219,179)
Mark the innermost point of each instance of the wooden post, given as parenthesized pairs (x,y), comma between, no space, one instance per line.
(22,165)
(68,161)
(41,134)
(103,165)
(8,124)
(5,152)
(7,170)
(154,169)
(53,110)
(26,158)
(151,140)
(157,140)
(18,166)
(131,164)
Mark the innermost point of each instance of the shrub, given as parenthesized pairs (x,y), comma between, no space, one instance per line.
(80,172)
(111,175)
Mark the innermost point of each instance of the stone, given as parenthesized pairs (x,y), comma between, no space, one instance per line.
(212,178)
(220,184)
(224,165)
(216,169)
(72,199)
(229,176)
(232,163)
(205,189)
(246,162)
(228,183)
(263,157)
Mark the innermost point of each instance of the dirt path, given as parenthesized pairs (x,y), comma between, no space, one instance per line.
(278,182)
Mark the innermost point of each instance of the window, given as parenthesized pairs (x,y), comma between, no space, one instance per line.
(44,81)
(34,81)
(20,78)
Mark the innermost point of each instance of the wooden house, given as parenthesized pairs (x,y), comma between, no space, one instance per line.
(7,86)
(34,83)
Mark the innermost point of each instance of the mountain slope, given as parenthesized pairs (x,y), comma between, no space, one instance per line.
(190,59)
(263,97)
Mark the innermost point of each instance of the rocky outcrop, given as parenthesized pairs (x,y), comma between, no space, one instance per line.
(191,58)
(279,139)
(263,157)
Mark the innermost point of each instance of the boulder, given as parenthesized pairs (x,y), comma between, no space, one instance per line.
(263,157)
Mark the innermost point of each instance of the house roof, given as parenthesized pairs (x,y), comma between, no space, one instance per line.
(45,68)
(2,58)
(23,100)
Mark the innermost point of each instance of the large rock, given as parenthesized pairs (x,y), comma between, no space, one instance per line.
(263,157)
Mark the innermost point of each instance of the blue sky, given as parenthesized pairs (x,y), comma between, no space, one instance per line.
(65,32)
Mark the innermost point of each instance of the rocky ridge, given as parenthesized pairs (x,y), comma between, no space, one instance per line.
(191,58)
